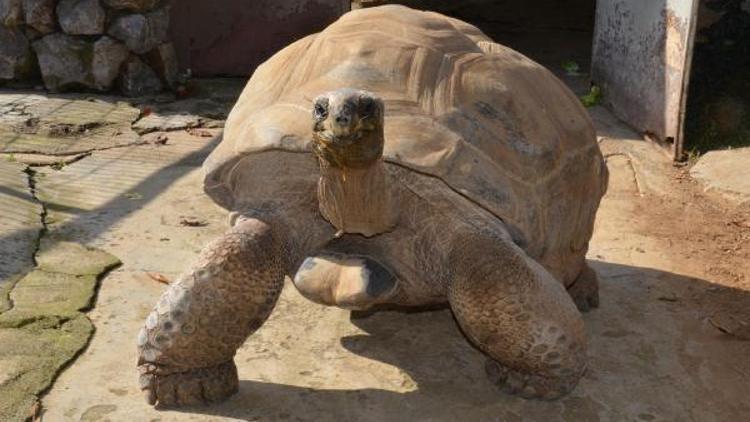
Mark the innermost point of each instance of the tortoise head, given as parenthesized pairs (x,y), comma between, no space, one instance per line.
(353,190)
(348,128)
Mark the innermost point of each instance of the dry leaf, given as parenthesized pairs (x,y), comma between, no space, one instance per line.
(161,278)
(193,222)
(161,140)
(200,132)
(731,326)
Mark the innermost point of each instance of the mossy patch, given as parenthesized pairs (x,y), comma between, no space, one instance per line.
(73,258)
(45,329)
(41,295)
(63,283)
(31,359)
(593,98)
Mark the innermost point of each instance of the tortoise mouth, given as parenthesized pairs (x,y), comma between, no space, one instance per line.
(356,149)
(338,140)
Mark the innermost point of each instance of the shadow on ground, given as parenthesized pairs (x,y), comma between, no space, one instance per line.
(117,208)
(653,356)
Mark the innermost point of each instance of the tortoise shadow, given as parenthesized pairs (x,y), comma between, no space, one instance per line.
(638,358)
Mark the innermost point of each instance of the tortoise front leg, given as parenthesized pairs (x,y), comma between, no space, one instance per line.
(186,349)
(519,315)
(585,289)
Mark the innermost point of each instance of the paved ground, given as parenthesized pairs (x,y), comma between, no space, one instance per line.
(666,343)
(72,167)
(19,226)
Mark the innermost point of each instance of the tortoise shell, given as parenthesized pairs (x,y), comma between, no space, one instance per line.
(494,126)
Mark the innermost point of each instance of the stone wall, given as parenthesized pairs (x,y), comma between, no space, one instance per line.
(87,45)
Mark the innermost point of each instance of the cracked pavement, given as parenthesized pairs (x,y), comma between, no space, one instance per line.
(72,167)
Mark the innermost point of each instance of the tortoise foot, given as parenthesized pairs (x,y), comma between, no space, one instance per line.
(530,386)
(177,387)
(585,290)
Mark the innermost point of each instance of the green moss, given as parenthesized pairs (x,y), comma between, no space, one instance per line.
(45,329)
(593,97)
(29,320)
(63,284)
(571,68)
(56,256)
(31,359)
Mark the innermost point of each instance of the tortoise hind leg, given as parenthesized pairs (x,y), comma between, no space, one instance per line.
(585,289)
(519,315)
(187,346)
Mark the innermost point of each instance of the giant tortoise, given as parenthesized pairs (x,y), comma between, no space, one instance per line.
(400,158)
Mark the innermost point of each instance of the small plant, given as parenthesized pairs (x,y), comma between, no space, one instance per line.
(11,158)
(133,195)
(571,68)
(593,97)
(692,157)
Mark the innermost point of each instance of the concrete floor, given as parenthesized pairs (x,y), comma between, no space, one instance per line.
(726,172)
(656,354)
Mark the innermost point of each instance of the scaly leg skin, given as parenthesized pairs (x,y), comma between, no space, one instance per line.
(186,349)
(519,315)
(585,290)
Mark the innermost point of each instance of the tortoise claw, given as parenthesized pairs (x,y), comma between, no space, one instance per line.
(199,386)
(529,386)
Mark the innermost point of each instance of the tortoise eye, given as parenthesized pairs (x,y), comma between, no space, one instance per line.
(367,106)
(320,111)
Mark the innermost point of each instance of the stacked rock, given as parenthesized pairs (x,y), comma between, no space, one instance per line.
(88,44)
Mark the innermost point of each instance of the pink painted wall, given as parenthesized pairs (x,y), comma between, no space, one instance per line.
(232,37)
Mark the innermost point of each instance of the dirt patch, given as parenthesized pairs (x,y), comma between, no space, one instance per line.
(710,238)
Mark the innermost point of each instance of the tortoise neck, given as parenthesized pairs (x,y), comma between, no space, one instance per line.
(356,200)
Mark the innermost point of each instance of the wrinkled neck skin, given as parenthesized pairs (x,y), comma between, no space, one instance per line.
(354,191)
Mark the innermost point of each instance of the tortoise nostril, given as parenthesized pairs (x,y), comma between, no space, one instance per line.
(342,119)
